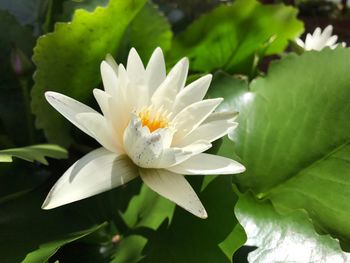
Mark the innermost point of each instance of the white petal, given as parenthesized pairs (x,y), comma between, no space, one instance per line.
(331,41)
(192,116)
(192,93)
(317,32)
(96,172)
(109,79)
(210,131)
(208,164)
(101,130)
(167,91)
(309,42)
(327,32)
(134,67)
(300,42)
(111,62)
(221,116)
(175,188)
(155,70)
(102,99)
(69,108)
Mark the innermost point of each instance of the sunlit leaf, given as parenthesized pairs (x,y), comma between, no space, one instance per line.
(148,30)
(148,209)
(293,135)
(284,238)
(34,153)
(231,36)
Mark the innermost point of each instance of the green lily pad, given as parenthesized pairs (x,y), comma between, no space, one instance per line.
(284,238)
(293,135)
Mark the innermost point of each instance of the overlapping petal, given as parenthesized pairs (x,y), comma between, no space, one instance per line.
(96,172)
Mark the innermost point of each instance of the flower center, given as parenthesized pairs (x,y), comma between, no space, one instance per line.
(154,119)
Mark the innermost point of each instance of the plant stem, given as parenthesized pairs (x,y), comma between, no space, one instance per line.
(26,100)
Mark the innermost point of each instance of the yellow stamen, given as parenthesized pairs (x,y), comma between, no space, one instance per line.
(154,120)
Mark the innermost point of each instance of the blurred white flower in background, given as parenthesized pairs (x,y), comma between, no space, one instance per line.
(320,39)
(152,126)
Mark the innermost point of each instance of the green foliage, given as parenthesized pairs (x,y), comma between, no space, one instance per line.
(68,60)
(284,238)
(189,239)
(146,38)
(293,135)
(306,190)
(148,209)
(34,153)
(233,37)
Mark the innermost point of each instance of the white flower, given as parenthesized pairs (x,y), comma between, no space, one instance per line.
(152,126)
(320,39)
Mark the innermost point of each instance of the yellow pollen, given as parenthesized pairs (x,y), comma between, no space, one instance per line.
(154,120)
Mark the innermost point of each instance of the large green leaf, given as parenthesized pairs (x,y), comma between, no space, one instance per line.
(189,239)
(148,30)
(293,134)
(306,190)
(68,60)
(34,153)
(230,36)
(284,238)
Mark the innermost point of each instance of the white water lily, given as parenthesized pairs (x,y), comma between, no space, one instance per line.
(151,126)
(320,39)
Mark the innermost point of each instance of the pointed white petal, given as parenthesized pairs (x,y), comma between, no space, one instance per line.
(192,93)
(204,164)
(309,42)
(174,82)
(331,41)
(192,116)
(210,132)
(221,116)
(102,99)
(69,108)
(111,62)
(317,32)
(134,67)
(101,130)
(300,42)
(155,70)
(109,78)
(327,32)
(175,188)
(96,172)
